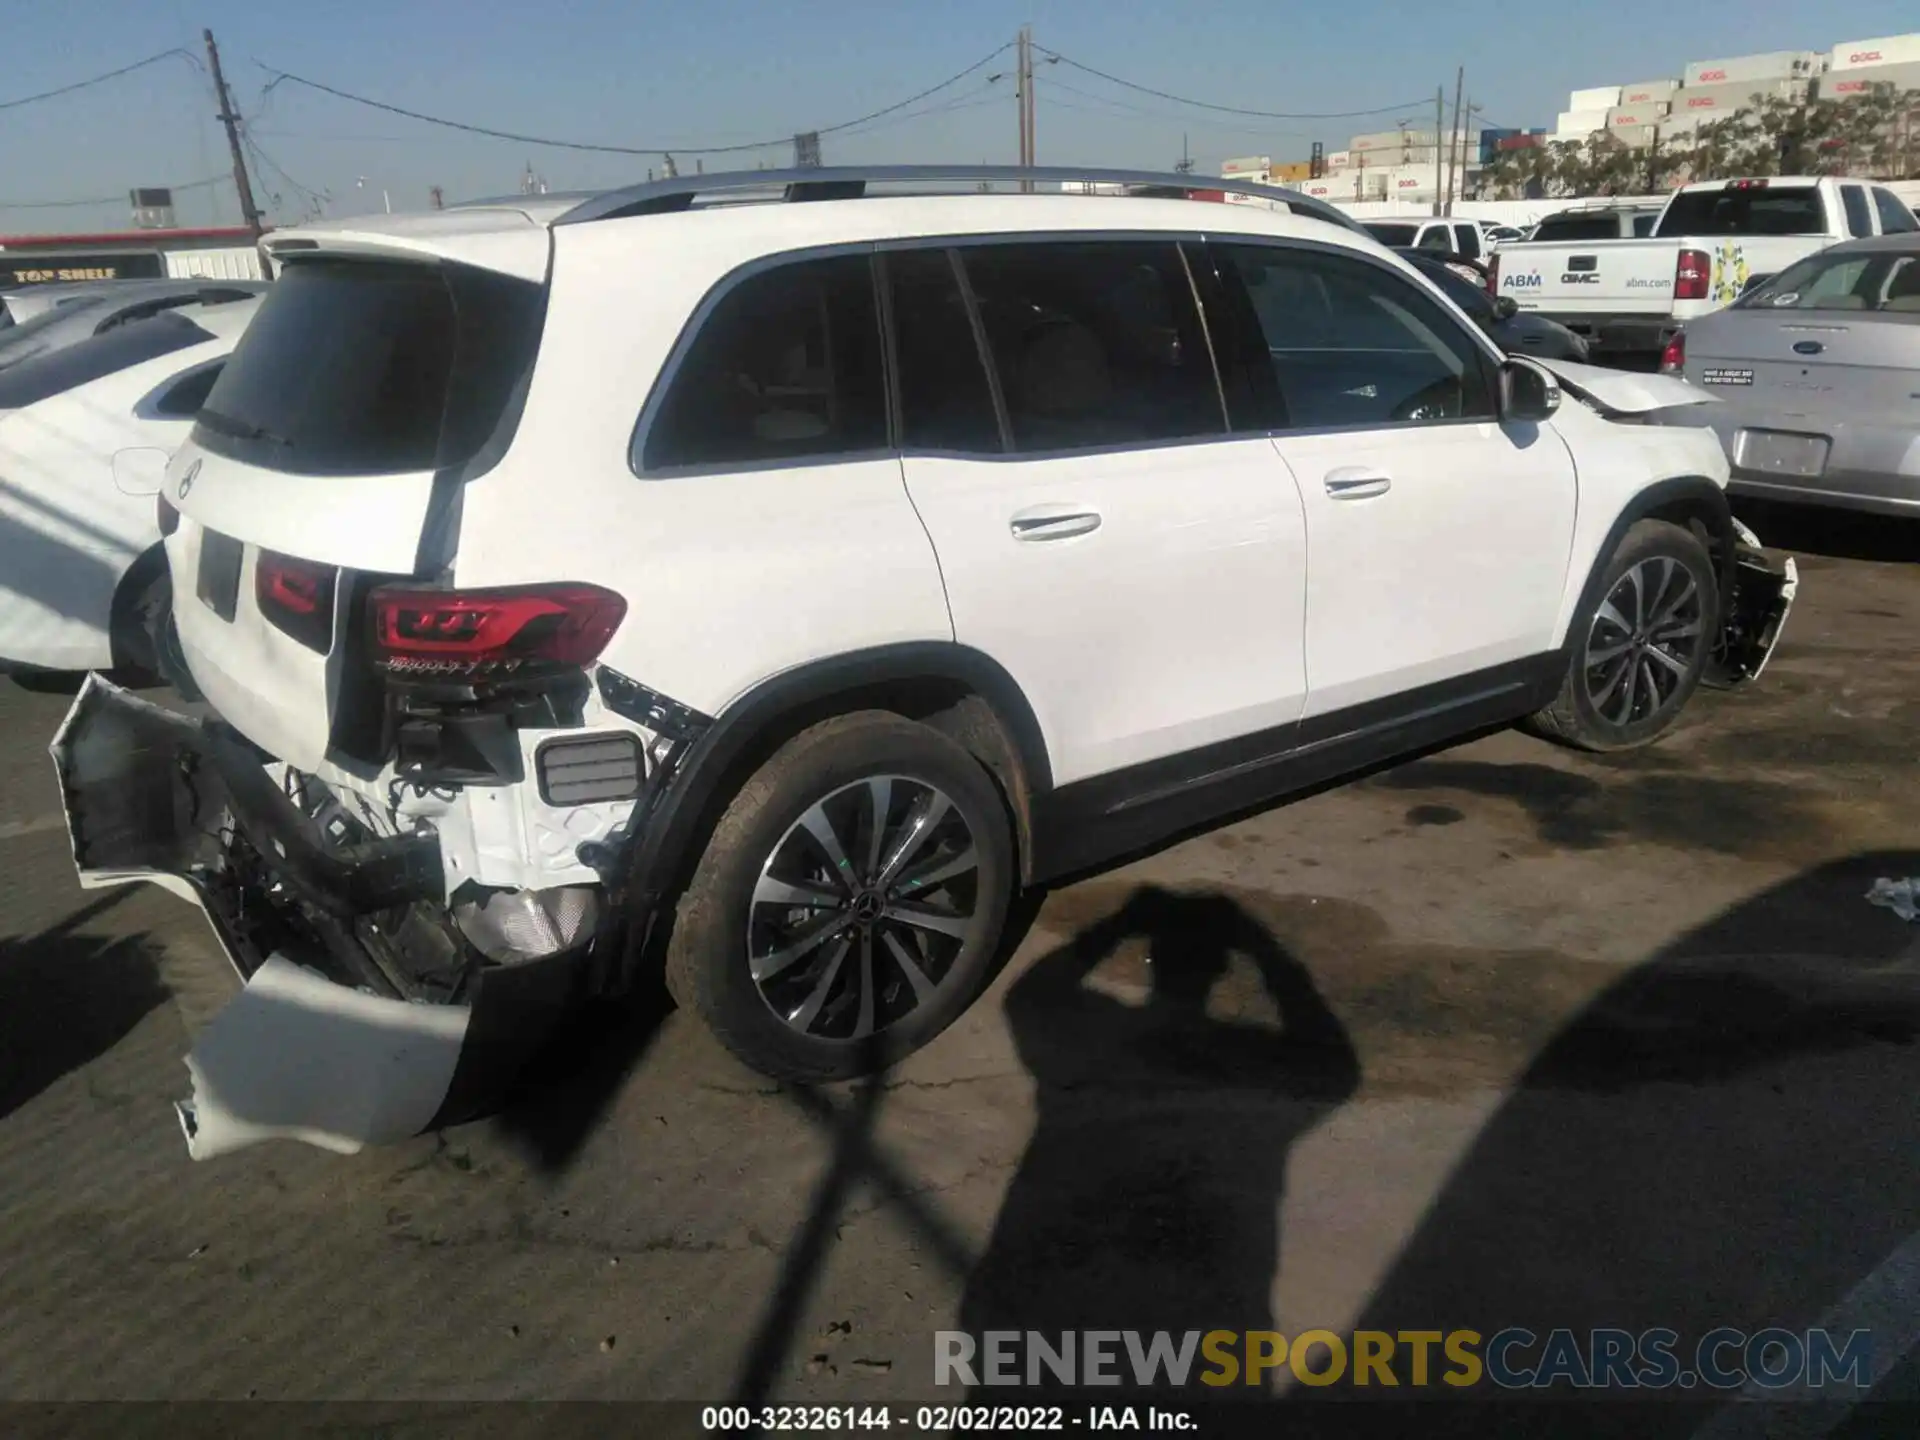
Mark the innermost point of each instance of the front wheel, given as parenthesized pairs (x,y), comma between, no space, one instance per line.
(849,904)
(1637,653)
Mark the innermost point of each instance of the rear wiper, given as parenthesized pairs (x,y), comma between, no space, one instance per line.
(239,429)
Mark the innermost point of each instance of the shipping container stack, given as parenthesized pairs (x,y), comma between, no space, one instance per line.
(1671,111)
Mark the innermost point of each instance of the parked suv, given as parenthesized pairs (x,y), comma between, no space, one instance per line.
(775,588)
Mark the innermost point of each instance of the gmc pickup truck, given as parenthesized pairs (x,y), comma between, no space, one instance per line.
(1713,239)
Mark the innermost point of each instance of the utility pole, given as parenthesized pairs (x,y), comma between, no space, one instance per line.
(1459,133)
(249,213)
(1439,124)
(1024,97)
(1185,167)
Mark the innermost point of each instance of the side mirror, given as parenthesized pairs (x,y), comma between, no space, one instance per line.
(1505,307)
(1528,394)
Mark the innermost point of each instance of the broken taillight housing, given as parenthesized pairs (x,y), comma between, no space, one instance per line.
(1673,359)
(478,634)
(1692,275)
(296,597)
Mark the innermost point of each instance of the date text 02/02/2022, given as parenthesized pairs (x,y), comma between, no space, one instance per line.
(943,1419)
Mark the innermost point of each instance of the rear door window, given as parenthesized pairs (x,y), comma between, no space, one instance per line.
(1467,241)
(40,376)
(1095,343)
(785,368)
(945,394)
(1643,224)
(356,367)
(1859,217)
(1435,237)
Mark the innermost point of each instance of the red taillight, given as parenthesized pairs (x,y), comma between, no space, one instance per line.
(1673,359)
(469,632)
(1493,275)
(166,515)
(296,597)
(1692,275)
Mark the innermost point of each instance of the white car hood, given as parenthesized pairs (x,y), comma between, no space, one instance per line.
(1620,392)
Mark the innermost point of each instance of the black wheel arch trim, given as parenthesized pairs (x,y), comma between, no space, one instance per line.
(1683,489)
(661,845)
(148,566)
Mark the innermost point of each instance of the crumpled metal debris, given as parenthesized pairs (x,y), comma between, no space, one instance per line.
(1900,896)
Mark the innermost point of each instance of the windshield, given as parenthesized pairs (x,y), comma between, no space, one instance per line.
(17,341)
(1758,210)
(358,367)
(38,376)
(1873,280)
(1398,236)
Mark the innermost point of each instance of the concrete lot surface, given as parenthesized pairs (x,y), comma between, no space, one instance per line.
(1505,1036)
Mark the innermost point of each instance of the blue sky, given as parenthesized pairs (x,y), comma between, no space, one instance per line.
(729,71)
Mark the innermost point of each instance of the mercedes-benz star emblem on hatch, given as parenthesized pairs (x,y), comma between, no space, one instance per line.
(186,480)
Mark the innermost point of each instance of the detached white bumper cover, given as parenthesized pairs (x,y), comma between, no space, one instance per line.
(298,1057)
(303,1052)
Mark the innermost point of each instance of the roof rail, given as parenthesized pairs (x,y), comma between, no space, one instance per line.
(658,197)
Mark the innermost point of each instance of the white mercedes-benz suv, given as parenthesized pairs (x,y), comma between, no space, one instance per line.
(766,576)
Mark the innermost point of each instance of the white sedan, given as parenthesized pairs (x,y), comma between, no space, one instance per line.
(85,435)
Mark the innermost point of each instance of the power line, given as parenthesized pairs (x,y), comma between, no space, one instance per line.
(1128,110)
(176,52)
(281,76)
(1055,58)
(119,199)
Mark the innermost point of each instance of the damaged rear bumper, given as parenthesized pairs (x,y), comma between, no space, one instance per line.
(329,1042)
(1763,592)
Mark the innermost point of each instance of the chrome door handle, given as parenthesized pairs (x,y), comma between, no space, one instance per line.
(1054,527)
(1356,482)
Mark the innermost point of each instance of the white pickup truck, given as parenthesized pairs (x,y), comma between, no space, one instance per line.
(1711,241)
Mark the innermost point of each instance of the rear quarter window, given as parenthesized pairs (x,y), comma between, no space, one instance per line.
(40,376)
(355,367)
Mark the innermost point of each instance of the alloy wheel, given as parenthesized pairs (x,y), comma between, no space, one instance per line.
(1645,641)
(862,907)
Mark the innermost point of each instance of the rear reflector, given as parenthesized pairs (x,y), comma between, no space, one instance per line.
(478,632)
(1673,359)
(296,597)
(590,769)
(1692,275)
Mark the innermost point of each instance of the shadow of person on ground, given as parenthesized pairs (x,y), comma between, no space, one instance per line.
(558,1101)
(1148,1196)
(1727,1136)
(66,999)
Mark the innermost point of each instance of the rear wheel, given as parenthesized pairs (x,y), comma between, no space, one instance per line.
(848,906)
(1638,652)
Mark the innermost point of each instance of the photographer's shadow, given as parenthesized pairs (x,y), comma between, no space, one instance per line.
(1148,1197)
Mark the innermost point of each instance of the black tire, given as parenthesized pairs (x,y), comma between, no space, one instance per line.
(1589,715)
(708,966)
